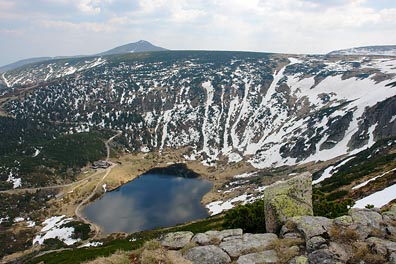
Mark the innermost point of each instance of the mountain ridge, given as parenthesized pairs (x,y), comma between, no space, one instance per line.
(139,46)
(239,119)
(258,80)
(378,50)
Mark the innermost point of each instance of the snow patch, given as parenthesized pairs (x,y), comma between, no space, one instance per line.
(3,219)
(245,175)
(219,206)
(30,223)
(18,219)
(53,229)
(378,199)
(372,179)
(17,182)
(234,157)
(92,244)
(36,152)
(329,171)
(144,149)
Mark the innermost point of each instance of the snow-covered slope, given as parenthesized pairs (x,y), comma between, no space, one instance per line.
(387,50)
(269,110)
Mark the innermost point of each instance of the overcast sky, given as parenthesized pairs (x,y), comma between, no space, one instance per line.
(32,28)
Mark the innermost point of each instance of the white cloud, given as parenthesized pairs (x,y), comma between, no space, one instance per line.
(293,26)
(89,7)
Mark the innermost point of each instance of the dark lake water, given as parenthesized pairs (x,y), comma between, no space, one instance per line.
(150,201)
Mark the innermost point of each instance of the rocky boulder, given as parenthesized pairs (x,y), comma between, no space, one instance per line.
(248,243)
(264,257)
(382,246)
(287,199)
(308,226)
(366,221)
(225,234)
(176,240)
(207,255)
(201,239)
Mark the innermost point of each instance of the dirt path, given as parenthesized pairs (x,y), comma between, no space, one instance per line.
(77,183)
(77,211)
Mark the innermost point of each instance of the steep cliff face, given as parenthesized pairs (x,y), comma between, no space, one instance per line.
(269,110)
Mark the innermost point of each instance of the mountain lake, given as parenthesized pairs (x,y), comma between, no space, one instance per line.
(150,201)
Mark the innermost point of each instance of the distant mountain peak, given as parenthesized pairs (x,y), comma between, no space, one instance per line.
(135,47)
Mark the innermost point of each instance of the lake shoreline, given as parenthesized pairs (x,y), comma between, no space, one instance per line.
(160,199)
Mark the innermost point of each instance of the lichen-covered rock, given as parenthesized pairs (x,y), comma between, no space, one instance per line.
(299,260)
(221,235)
(176,240)
(292,235)
(391,213)
(287,199)
(248,243)
(263,257)
(342,251)
(311,226)
(207,255)
(344,220)
(316,243)
(201,239)
(392,258)
(366,221)
(322,256)
(381,246)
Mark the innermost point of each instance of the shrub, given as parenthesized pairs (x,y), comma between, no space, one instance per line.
(53,243)
(249,217)
(81,230)
(330,209)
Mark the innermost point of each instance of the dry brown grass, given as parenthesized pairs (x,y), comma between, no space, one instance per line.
(157,256)
(152,252)
(343,235)
(290,225)
(376,232)
(214,240)
(362,254)
(187,247)
(120,257)
(287,248)
(152,245)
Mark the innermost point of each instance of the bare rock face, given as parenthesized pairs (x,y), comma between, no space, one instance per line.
(311,226)
(248,243)
(382,246)
(264,257)
(207,255)
(287,199)
(366,221)
(176,240)
(201,239)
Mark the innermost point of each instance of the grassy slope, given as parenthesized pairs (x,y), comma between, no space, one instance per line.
(111,246)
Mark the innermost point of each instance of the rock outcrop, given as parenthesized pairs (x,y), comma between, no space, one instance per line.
(363,236)
(176,240)
(287,199)
(207,255)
